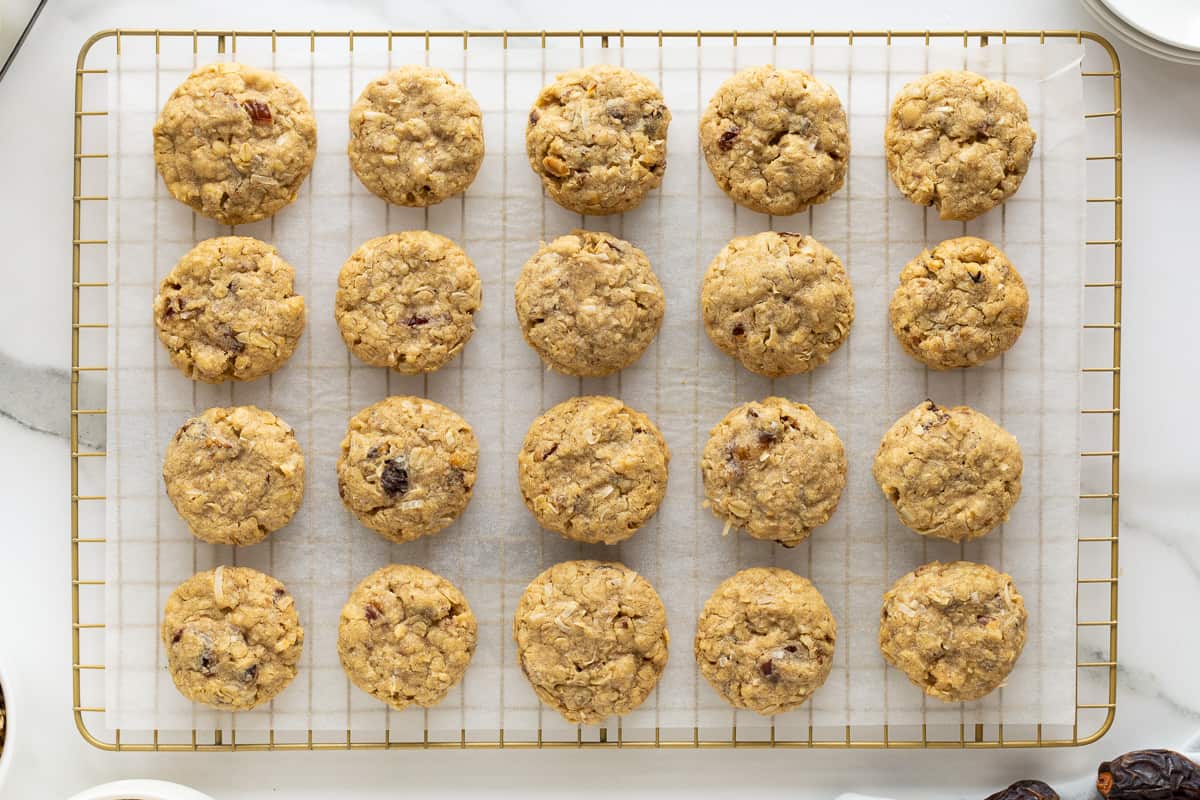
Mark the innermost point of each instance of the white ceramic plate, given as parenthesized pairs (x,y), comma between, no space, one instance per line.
(140,790)
(1175,22)
(1135,38)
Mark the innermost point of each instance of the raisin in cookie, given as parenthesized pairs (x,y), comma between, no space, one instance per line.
(589,303)
(407,301)
(597,137)
(406,636)
(233,638)
(228,311)
(234,474)
(952,473)
(776,140)
(780,303)
(235,142)
(593,469)
(775,469)
(407,467)
(955,630)
(765,640)
(591,638)
(958,141)
(959,305)
(416,137)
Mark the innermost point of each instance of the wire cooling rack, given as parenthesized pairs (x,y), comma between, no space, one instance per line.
(1097,571)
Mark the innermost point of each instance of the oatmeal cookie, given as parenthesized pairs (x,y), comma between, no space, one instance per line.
(765,640)
(593,469)
(780,303)
(234,474)
(235,142)
(406,636)
(233,638)
(227,311)
(776,140)
(597,137)
(956,630)
(407,467)
(589,303)
(959,305)
(416,136)
(775,469)
(591,638)
(407,301)
(958,141)
(952,473)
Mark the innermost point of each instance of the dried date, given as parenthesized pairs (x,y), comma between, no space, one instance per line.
(725,141)
(1025,790)
(1149,775)
(260,113)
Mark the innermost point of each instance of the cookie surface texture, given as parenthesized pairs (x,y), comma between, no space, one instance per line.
(591,638)
(416,136)
(234,474)
(406,636)
(589,303)
(765,640)
(228,310)
(951,473)
(597,138)
(407,467)
(235,142)
(956,630)
(233,638)
(776,140)
(774,469)
(958,305)
(407,301)
(593,469)
(959,142)
(780,303)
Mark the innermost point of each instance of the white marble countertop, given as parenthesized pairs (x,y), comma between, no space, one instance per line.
(1159,694)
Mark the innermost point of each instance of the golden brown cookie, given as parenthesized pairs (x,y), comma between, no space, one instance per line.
(780,303)
(407,301)
(235,142)
(765,640)
(950,472)
(959,305)
(228,311)
(416,137)
(597,137)
(956,630)
(406,636)
(776,140)
(589,303)
(591,638)
(593,469)
(233,638)
(407,467)
(958,141)
(775,469)
(234,474)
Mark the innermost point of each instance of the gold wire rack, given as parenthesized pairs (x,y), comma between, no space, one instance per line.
(1097,571)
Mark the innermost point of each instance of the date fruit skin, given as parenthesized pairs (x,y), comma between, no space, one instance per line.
(1149,775)
(1025,790)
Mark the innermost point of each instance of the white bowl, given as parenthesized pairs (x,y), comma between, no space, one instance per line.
(6,755)
(140,790)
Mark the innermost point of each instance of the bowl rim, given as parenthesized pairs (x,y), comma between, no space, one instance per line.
(140,789)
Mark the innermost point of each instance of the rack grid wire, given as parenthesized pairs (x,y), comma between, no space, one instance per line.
(1097,537)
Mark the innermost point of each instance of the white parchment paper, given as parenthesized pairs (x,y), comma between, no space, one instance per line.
(682,382)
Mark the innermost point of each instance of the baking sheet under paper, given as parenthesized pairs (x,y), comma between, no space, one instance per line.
(683,383)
